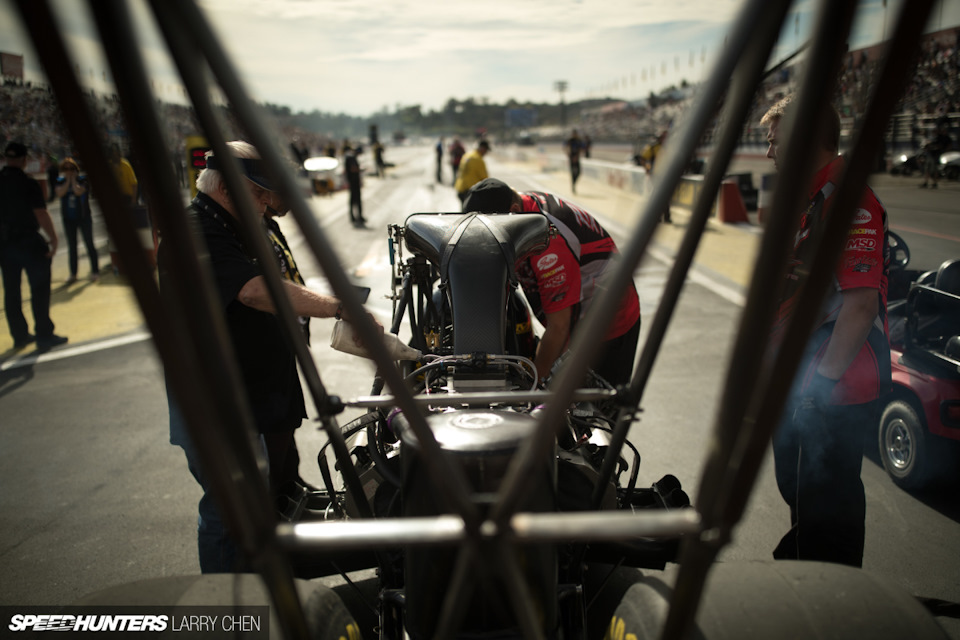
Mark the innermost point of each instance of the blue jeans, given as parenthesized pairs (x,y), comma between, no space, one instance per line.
(216,548)
(817,460)
(85,226)
(27,255)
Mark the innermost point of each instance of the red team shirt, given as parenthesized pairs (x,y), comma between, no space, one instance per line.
(567,273)
(863,263)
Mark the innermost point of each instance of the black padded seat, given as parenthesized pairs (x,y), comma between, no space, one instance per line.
(476,254)
(429,234)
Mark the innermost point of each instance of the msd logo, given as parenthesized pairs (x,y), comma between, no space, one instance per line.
(556,280)
(547,261)
(861,244)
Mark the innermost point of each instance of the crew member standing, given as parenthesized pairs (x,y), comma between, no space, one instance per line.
(473,169)
(648,158)
(126,177)
(561,282)
(23,213)
(265,358)
(573,147)
(936,147)
(354,177)
(818,447)
(378,160)
(456,156)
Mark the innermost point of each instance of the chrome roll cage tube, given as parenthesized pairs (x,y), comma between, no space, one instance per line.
(190,335)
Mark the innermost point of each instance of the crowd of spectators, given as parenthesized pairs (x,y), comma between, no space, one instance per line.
(31,114)
(623,121)
(935,84)
(933,93)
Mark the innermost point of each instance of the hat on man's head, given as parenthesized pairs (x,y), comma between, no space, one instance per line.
(253,170)
(489,196)
(15,150)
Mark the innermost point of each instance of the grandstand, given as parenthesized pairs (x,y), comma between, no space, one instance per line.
(30,113)
(934,93)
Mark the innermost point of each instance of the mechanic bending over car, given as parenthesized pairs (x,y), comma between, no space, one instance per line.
(561,282)
(818,447)
(267,362)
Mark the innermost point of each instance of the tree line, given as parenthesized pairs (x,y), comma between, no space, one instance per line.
(463,118)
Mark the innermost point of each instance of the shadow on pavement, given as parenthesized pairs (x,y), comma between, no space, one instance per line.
(13,379)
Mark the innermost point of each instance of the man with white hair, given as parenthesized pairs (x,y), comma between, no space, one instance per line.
(266,361)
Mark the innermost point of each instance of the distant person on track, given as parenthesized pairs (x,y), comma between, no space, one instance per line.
(818,447)
(648,160)
(439,150)
(125,175)
(74,194)
(561,282)
(937,146)
(456,157)
(573,147)
(378,160)
(353,174)
(472,170)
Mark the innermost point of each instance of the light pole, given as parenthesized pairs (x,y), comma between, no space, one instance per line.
(560,86)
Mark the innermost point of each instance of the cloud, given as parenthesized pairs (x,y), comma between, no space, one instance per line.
(358,55)
(417,52)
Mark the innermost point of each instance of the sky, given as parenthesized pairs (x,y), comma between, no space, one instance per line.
(363,56)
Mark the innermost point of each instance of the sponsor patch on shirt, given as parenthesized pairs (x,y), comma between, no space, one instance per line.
(861,244)
(862,217)
(547,261)
(547,274)
(861,264)
(863,231)
(556,280)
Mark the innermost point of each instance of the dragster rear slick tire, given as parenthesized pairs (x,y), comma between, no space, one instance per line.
(784,599)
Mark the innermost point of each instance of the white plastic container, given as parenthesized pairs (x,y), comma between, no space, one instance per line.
(342,340)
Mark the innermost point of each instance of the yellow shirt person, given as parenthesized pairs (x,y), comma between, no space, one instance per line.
(126,178)
(472,169)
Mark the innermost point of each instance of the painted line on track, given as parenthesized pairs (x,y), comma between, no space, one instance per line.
(79,350)
(696,275)
(924,232)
